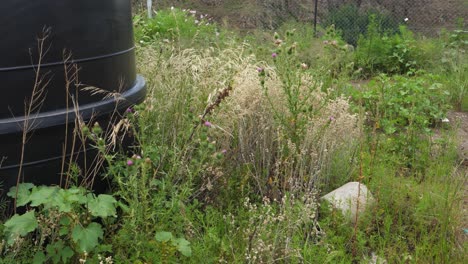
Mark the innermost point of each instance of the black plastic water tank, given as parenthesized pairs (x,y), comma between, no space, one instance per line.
(99,37)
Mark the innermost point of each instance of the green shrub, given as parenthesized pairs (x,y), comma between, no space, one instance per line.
(405,109)
(352,22)
(173,24)
(379,52)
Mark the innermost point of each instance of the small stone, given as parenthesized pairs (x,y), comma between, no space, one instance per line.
(346,199)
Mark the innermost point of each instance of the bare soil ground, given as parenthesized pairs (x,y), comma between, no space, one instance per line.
(460,120)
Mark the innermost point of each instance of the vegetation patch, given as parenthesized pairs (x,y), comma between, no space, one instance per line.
(240,136)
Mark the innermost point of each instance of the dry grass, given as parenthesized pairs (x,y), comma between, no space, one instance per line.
(246,123)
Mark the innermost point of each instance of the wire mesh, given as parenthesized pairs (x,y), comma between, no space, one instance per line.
(427,17)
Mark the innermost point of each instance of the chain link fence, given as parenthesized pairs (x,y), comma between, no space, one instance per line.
(427,17)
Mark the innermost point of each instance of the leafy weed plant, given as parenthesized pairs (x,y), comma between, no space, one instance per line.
(379,52)
(405,109)
(65,224)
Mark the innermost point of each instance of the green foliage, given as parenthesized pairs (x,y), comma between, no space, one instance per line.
(405,108)
(455,68)
(458,39)
(58,252)
(87,237)
(166,239)
(413,220)
(102,206)
(187,199)
(63,221)
(21,194)
(291,74)
(173,24)
(308,47)
(336,63)
(353,22)
(379,52)
(399,102)
(19,225)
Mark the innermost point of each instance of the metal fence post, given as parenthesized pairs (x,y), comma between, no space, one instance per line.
(315,18)
(149,6)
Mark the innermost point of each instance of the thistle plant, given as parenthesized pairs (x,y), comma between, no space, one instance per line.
(295,91)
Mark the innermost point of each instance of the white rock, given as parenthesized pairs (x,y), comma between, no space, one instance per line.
(346,199)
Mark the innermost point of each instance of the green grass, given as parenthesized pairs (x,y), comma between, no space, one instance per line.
(236,146)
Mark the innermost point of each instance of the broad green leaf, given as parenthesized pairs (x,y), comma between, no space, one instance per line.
(43,195)
(65,220)
(66,199)
(39,258)
(53,251)
(59,253)
(67,253)
(183,246)
(102,206)
(64,225)
(23,193)
(87,238)
(77,194)
(20,225)
(163,236)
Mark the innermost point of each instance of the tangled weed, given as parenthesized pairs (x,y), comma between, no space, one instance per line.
(263,143)
(276,229)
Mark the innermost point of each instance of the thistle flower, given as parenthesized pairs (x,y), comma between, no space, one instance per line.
(207,124)
(274,55)
(129,162)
